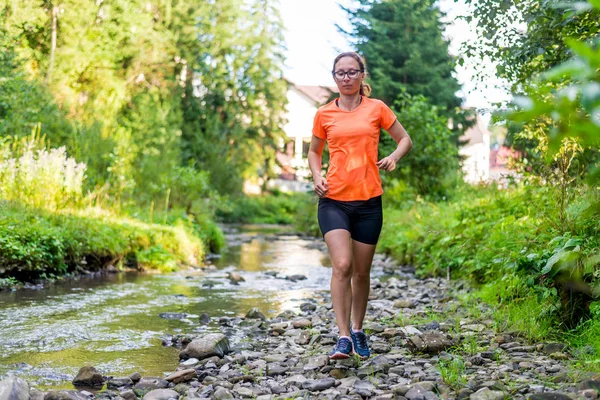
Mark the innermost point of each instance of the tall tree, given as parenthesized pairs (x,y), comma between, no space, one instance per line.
(526,37)
(403,45)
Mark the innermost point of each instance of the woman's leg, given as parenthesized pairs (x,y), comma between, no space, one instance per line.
(362,258)
(340,250)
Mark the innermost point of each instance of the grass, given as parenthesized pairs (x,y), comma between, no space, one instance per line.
(36,243)
(453,372)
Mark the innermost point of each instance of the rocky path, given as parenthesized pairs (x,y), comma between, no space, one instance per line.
(426,345)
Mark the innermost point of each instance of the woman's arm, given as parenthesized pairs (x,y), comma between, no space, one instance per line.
(398,133)
(315,154)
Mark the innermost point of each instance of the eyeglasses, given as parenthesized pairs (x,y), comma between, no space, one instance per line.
(352,74)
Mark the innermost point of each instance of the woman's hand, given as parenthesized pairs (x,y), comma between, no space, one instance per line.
(387,164)
(321,186)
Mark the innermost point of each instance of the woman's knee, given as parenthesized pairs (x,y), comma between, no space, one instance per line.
(342,268)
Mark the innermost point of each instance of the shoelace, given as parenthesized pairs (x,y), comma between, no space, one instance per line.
(361,339)
(341,344)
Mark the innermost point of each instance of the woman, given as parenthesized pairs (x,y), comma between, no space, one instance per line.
(350,212)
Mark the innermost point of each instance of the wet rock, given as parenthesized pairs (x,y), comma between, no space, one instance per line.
(116,383)
(13,388)
(88,376)
(204,319)
(172,315)
(295,278)
(213,344)
(429,342)
(235,278)
(318,385)
(182,376)
(135,377)
(255,313)
(161,394)
(308,307)
(149,384)
(67,395)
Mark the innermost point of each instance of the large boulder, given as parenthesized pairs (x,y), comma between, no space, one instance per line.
(213,344)
(13,388)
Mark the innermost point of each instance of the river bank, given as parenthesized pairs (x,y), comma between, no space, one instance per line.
(427,344)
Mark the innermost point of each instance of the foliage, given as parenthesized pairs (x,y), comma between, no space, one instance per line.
(38,177)
(136,89)
(434,162)
(492,235)
(528,37)
(36,243)
(404,48)
(277,208)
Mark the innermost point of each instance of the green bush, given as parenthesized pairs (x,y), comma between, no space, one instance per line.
(36,243)
(277,208)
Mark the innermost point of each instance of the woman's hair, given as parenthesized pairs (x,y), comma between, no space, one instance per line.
(365,88)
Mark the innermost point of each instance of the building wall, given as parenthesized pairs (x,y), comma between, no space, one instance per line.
(300,115)
(476,166)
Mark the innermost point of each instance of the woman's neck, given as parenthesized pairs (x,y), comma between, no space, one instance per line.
(349,102)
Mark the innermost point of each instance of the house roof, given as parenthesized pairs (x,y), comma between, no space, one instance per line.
(318,94)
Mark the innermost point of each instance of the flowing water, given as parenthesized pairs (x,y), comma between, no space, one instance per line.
(117,323)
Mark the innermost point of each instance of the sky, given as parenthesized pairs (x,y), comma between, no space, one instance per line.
(313,41)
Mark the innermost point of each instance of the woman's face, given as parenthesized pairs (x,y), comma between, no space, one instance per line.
(346,84)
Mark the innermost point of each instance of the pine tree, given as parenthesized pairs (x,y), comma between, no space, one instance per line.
(402,43)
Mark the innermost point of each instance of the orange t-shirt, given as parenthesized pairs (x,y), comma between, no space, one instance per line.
(353,137)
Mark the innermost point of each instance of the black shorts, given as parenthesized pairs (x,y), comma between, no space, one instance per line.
(363,219)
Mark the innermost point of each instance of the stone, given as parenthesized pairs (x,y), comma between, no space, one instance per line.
(116,383)
(149,384)
(550,348)
(487,394)
(404,303)
(182,376)
(255,313)
(589,384)
(212,344)
(549,396)
(559,356)
(161,394)
(14,388)
(303,338)
(66,395)
(302,323)
(364,388)
(222,393)
(315,363)
(589,394)
(128,395)
(429,342)
(235,278)
(416,392)
(318,385)
(88,376)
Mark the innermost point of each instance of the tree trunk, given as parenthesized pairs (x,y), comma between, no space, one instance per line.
(53,48)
